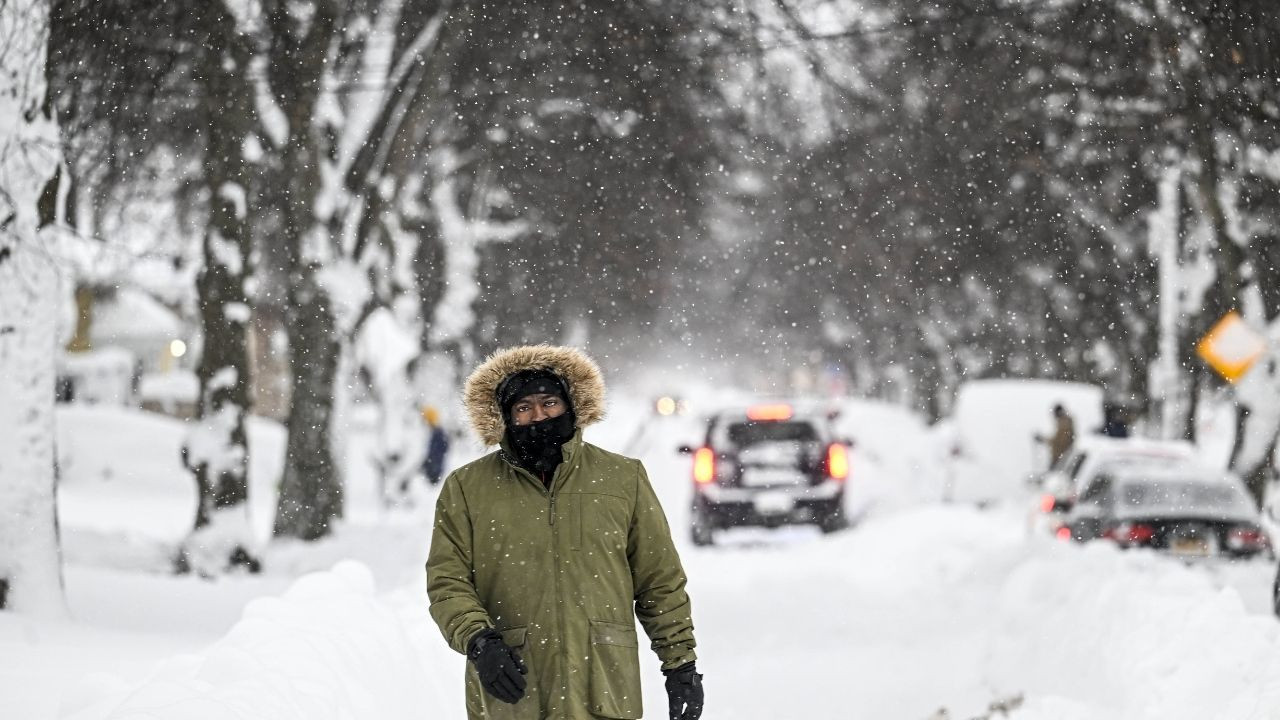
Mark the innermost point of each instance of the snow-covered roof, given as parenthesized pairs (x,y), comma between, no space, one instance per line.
(132,314)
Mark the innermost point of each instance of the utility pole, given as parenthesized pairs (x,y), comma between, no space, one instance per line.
(1163,242)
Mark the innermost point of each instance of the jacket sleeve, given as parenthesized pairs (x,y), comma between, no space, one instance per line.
(454,604)
(662,605)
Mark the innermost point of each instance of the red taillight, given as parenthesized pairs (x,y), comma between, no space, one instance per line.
(1048,502)
(1131,533)
(704,466)
(837,461)
(1063,533)
(1139,533)
(769,412)
(1245,537)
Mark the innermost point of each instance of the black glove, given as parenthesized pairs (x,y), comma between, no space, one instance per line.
(500,669)
(684,692)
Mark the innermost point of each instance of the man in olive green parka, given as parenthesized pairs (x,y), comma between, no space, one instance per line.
(546,551)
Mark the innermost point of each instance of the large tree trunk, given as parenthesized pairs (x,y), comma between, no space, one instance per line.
(217,449)
(30,571)
(311,490)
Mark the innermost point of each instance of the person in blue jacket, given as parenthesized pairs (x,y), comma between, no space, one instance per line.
(437,446)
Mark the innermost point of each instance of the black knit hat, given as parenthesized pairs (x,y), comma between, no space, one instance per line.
(530,382)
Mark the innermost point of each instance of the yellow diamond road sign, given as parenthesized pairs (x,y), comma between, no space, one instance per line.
(1231,347)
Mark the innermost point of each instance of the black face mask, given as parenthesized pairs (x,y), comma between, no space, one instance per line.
(537,445)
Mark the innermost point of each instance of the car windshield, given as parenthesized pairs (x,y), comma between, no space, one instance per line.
(785,444)
(745,434)
(1184,497)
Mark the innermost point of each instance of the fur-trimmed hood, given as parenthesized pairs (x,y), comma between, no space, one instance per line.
(579,373)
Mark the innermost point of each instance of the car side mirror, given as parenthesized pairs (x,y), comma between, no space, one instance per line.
(685,450)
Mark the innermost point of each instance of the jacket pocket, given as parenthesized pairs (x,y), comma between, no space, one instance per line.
(615,671)
(528,707)
(601,522)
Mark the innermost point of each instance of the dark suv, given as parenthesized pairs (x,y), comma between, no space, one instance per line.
(767,465)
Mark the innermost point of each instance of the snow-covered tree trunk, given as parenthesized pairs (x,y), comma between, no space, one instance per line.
(311,489)
(385,349)
(30,572)
(350,139)
(462,235)
(217,448)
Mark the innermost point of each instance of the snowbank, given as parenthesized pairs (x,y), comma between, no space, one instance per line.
(99,377)
(893,456)
(122,473)
(327,648)
(1082,632)
(1133,635)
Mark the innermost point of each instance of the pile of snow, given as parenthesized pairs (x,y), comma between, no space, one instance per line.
(1101,632)
(122,479)
(326,648)
(99,377)
(169,389)
(892,464)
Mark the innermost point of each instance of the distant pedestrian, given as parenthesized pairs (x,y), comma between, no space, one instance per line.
(437,446)
(546,552)
(1114,423)
(1063,437)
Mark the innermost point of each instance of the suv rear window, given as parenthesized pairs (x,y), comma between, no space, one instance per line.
(744,434)
(1186,496)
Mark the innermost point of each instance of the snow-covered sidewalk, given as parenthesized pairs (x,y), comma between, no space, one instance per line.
(911,614)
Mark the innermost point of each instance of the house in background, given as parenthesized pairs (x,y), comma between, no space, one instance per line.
(129,349)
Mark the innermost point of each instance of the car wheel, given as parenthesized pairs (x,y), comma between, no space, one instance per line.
(833,523)
(702,531)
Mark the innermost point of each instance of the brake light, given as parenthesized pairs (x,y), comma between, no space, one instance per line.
(1063,533)
(769,412)
(1131,533)
(1245,537)
(1140,533)
(1048,502)
(704,466)
(837,461)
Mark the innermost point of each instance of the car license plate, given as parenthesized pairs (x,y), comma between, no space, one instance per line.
(774,503)
(1197,547)
(765,477)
